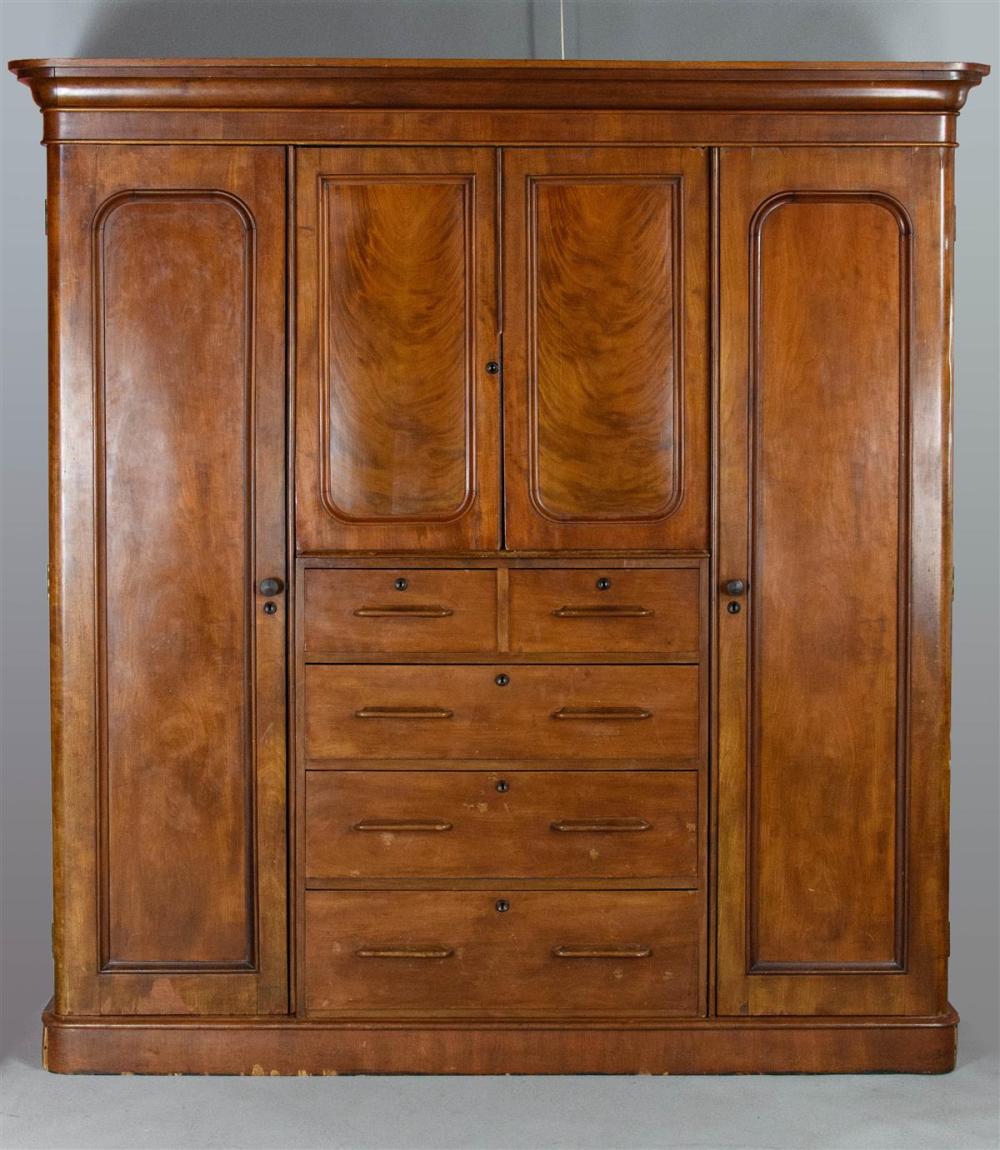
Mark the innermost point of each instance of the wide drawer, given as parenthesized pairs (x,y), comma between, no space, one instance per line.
(483,824)
(548,952)
(401,610)
(589,611)
(509,712)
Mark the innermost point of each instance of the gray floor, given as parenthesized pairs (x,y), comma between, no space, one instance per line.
(901,1112)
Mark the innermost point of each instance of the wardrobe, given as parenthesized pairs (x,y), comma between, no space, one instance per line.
(500,564)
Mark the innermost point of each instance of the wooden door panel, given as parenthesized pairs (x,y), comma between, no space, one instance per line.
(831,396)
(397,416)
(605,357)
(179,273)
(174,550)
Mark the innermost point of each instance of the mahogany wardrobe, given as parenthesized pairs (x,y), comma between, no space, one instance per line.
(500,564)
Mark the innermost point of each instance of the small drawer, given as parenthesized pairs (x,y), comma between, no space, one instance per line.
(634,612)
(545,952)
(488,824)
(400,610)
(502,712)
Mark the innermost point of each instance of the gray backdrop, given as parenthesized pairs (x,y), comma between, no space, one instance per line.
(48,1111)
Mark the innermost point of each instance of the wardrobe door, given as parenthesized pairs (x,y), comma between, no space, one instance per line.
(168,495)
(833,500)
(606,384)
(397,383)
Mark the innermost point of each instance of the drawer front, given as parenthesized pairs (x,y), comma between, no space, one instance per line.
(607,612)
(441,712)
(399,610)
(551,952)
(481,824)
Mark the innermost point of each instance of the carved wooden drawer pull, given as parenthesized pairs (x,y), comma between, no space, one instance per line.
(611,612)
(628,951)
(403,713)
(601,826)
(428,951)
(394,825)
(610,714)
(414,611)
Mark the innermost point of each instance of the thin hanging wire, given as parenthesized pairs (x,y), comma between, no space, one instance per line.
(562,30)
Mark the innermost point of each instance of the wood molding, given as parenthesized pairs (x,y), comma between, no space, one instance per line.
(315,83)
(916,1045)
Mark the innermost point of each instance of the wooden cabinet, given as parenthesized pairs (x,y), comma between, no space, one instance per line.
(551,463)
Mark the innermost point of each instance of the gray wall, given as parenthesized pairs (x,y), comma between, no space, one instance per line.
(662,29)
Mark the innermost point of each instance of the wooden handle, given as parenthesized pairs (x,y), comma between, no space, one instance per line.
(602,714)
(628,951)
(403,713)
(601,826)
(610,612)
(429,951)
(394,825)
(416,611)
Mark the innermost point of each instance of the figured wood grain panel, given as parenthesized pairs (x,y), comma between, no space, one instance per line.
(466,957)
(833,505)
(604,299)
(605,264)
(397,320)
(482,824)
(831,307)
(169,504)
(396,281)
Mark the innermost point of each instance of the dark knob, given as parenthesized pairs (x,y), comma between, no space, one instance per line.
(502,904)
(270,608)
(493,367)
(735,587)
(502,680)
(271,586)
(603,584)
(502,786)
(401,584)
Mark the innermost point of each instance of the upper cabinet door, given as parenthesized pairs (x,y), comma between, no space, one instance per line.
(833,484)
(606,377)
(397,415)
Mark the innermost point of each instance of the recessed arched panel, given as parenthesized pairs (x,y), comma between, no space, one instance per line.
(830,324)
(174,286)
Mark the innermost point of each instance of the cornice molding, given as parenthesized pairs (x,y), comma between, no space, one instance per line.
(241,84)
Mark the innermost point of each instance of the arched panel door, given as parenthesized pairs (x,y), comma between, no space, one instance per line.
(833,503)
(168,675)
(606,382)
